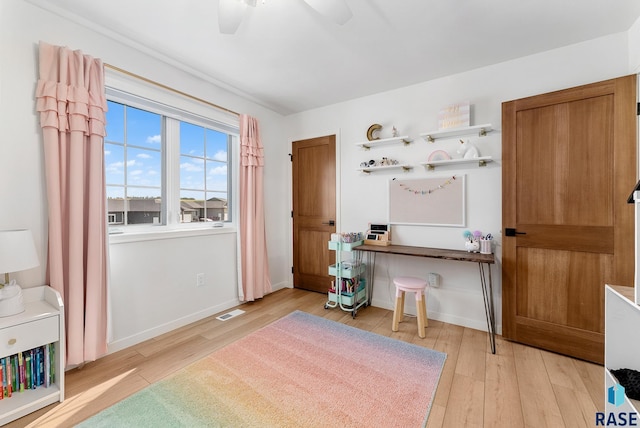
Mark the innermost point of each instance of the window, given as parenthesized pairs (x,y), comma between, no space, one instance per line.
(133,165)
(204,156)
(164,165)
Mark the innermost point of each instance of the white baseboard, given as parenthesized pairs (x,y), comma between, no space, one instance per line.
(281,285)
(448,318)
(126,342)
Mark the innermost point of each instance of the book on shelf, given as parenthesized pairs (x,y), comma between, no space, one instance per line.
(27,370)
(47,366)
(21,373)
(7,378)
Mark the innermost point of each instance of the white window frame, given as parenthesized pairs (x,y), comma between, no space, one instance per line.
(128,90)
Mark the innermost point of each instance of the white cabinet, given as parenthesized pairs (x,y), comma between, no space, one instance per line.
(621,341)
(42,323)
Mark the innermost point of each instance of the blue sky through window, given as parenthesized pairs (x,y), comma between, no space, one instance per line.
(133,156)
(133,151)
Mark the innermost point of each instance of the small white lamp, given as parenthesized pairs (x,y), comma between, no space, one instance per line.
(17,252)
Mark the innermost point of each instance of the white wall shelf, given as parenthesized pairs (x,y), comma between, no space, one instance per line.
(481,130)
(385,141)
(481,161)
(369,170)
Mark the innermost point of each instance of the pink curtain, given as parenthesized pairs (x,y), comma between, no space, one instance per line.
(253,243)
(71,102)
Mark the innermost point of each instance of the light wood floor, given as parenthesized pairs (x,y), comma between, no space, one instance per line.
(518,386)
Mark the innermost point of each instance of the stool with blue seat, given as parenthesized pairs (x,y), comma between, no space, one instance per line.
(412,285)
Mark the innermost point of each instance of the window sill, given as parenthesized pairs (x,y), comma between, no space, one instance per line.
(164,233)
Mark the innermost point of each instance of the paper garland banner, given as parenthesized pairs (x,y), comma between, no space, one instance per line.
(427,191)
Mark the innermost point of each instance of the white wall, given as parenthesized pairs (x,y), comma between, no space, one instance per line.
(413,110)
(152,282)
(634,47)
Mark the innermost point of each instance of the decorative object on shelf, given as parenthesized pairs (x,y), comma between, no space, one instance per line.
(17,252)
(468,150)
(485,244)
(454,116)
(377,163)
(477,242)
(439,155)
(378,234)
(472,246)
(472,240)
(373,133)
(394,132)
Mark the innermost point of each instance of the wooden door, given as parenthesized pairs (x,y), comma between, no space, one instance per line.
(569,164)
(314,211)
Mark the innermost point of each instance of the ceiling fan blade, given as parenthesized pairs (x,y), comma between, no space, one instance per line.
(337,10)
(230,14)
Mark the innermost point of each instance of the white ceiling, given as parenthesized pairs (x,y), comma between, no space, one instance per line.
(291,59)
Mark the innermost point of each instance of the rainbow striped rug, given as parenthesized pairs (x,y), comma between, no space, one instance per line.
(299,371)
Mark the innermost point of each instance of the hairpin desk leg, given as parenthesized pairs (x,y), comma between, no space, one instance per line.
(488,304)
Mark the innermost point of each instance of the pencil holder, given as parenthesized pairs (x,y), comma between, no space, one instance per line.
(485,246)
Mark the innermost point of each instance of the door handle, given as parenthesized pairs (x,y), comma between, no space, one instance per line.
(330,223)
(510,231)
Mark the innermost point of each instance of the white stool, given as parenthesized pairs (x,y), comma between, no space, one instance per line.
(412,285)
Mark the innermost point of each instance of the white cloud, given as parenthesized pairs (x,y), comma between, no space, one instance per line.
(117,166)
(220,156)
(219,170)
(154,139)
(143,156)
(190,167)
(136,172)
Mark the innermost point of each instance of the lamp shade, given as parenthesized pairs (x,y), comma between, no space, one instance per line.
(17,251)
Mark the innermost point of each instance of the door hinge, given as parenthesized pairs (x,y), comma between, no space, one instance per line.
(291,269)
(291,213)
(638,109)
(290,157)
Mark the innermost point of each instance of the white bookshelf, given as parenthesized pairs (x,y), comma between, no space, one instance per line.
(40,324)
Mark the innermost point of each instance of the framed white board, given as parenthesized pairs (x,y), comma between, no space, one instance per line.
(434,201)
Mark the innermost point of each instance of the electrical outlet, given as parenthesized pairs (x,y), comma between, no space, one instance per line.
(200,280)
(433,279)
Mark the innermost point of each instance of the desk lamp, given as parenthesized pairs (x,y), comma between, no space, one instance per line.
(17,252)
